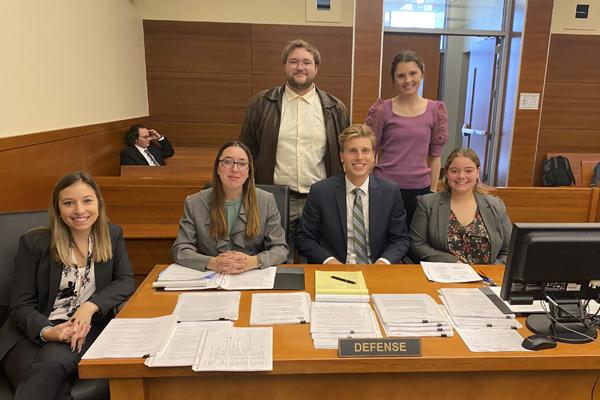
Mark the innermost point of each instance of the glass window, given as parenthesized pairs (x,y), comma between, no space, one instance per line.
(444,14)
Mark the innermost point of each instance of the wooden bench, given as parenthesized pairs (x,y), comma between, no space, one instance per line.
(587,170)
(193,157)
(149,211)
(576,159)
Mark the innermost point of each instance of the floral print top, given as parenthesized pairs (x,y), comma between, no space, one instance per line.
(76,287)
(471,243)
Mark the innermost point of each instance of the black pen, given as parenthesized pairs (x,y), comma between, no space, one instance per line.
(337,278)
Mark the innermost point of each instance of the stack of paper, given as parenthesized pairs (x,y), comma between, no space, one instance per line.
(341,286)
(411,315)
(211,306)
(479,322)
(235,349)
(178,277)
(205,346)
(280,308)
(449,272)
(333,321)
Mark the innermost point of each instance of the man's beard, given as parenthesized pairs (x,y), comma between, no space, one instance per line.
(300,86)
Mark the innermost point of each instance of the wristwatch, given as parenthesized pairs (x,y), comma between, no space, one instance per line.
(44,329)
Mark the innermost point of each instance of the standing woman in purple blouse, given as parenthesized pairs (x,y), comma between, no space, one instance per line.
(410,132)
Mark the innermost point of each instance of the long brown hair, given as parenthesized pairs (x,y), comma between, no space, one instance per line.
(471,155)
(218,228)
(61,237)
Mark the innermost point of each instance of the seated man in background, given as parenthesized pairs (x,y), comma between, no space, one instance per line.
(355,217)
(145,147)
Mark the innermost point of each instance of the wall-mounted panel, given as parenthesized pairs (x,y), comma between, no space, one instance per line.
(574,58)
(197,47)
(194,97)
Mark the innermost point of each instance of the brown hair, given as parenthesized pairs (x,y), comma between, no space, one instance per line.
(218,228)
(61,237)
(406,56)
(354,131)
(299,43)
(471,155)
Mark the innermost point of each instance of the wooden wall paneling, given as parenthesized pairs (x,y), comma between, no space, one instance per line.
(426,46)
(536,37)
(29,173)
(100,152)
(31,164)
(574,58)
(145,204)
(368,25)
(334,44)
(196,134)
(198,97)
(209,47)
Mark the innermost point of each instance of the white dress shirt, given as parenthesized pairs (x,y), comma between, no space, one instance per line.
(302,141)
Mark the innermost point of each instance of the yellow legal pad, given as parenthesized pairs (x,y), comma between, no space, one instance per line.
(326,284)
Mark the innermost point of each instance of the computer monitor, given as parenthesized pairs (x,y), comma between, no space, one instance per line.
(558,263)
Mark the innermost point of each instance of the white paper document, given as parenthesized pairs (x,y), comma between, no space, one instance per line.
(178,277)
(210,306)
(449,272)
(332,321)
(463,302)
(405,315)
(478,340)
(131,337)
(280,308)
(235,349)
(179,350)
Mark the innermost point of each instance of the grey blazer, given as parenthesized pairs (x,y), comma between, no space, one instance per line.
(193,246)
(429,227)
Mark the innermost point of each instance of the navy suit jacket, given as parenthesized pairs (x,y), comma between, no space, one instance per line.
(131,155)
(323,232)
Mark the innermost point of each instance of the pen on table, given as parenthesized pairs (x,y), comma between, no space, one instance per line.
(486,278)
(209,276)
(337,278)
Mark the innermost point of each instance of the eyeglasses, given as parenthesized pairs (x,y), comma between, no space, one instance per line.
(294,62)
(229,163)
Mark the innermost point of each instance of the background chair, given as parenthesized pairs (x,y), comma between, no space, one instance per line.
(282,198)
(12,226)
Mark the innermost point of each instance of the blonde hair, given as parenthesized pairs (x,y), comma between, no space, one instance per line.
(471,155)
(61,238)
(218,228)
(356,131)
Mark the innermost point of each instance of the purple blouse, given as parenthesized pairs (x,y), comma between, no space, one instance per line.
(405,142)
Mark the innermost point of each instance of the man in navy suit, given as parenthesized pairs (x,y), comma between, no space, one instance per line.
(354,217)
(145,147)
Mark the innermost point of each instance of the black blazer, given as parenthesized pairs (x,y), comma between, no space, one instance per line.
(323,232)
(37,278)
(131,156)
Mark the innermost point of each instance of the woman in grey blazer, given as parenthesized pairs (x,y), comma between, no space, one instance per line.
(233,226)
(461,223)
(68,279)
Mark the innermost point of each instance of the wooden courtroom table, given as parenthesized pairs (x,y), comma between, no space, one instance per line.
(446,370)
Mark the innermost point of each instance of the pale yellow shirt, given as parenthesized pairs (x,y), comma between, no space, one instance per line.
(302,141)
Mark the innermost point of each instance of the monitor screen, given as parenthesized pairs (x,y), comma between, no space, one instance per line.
(560,261)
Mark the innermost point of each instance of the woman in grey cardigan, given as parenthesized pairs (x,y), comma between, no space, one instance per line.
(461,223)
(233,226)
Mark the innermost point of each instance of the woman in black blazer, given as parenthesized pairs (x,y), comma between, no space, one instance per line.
(68,279)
